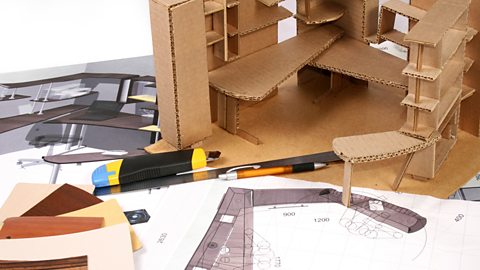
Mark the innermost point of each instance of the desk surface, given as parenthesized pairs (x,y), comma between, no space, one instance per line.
(18,121)
(123,120)
(71,77)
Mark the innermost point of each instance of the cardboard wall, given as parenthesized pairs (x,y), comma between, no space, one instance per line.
(178,33)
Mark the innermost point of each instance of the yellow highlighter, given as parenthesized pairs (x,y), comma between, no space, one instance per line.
(139,168)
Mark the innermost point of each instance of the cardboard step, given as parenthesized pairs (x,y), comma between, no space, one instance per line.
(212,7)
(213,37)
(354,58)
(144,98)
(268,68)
(322,13)
(467,92)
(471,32)
(427,73)
(399,7)
(422,132)
(396,37)
(468,64)
(426,104)
(264,17)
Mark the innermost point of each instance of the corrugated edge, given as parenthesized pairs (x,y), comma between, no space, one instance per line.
(174,71)
(422,145)
(259,98)
(360,76)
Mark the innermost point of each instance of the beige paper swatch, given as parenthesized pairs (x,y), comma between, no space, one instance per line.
(106,248)
(112,213)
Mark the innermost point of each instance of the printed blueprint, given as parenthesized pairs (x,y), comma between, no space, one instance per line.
(263,224)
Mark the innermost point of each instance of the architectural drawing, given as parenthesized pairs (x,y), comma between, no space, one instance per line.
(231,242)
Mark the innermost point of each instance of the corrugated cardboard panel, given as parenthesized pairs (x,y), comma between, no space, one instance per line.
(352,21)
(257,40)
(357,59)
(178,35)
(370,19)
(191,73)
(256,75)
(253,15)
(163,57)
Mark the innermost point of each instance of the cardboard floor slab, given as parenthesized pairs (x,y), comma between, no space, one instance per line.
(268,68)
(106,248)
(25,195)
(291,124)
(354,58)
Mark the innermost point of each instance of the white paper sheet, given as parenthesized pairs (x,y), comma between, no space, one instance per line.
(317,236)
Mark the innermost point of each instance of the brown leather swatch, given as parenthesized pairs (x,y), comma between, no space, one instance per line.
(74,263)
(66,198)
(27,227)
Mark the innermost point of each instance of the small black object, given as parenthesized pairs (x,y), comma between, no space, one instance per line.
(137,216)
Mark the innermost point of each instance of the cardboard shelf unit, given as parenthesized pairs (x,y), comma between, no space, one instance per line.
(216,24)
(436,65)
(388,13)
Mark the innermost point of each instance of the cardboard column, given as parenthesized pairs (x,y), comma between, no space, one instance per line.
(179,46)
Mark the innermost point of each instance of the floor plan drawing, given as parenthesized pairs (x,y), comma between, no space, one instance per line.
(282,224)
(231,242)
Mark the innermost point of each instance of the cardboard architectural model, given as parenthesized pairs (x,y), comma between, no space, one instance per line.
(232,47)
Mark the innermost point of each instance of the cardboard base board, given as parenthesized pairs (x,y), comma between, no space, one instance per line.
(291,124)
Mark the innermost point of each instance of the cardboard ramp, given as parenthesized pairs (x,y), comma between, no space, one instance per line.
(356,59)
(255,76)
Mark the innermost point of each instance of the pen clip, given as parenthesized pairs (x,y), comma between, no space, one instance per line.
(244,167)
